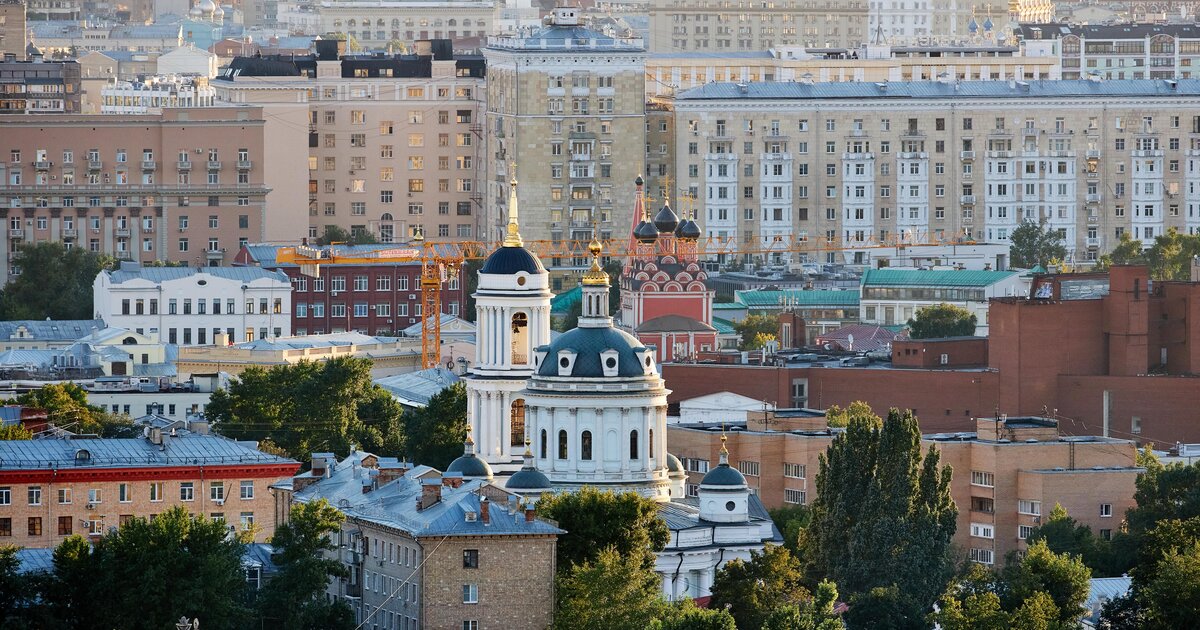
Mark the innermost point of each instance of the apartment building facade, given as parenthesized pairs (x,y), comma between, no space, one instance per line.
(376,23)
(940,161)
(927,21)
(707,26)
(1007,474)
(394,145)
(195,305)
(35,86)
(184,186)
(1117,51)
(13,35)
(54,488)
(566,107)
(891,297)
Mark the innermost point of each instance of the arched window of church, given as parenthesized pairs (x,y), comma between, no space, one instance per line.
(543,449)
(650,443)
(633,444)
(520,338)
(517,422)
(585,446)
(562,444)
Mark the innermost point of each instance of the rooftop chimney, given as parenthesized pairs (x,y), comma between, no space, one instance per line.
(484,514)
(431,493)
(530,512)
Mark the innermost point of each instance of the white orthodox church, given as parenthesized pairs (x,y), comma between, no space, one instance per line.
(590,409)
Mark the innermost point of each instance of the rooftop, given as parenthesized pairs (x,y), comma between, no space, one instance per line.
(416,388)
(759,298)
(129,272)
(49,330)
(928,278)
(184,449)
(961,90)
(1035,32)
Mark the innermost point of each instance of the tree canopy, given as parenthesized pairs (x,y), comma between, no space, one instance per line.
(1032,245)
(309,407)
(68,408)
(294,597)
(55,282)
(434,434)
(754,590)
(1169,257)
(596,520)
(942,320)
(756,329)
(336,234)
(882,521)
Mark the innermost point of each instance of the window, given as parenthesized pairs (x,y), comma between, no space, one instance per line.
(247,490)
(124,493)
(5,527)
(156,491)
(794,496)
(470,593)
(470,625)
(35,495)
(795,471)
(980,478)
(633,444)
(562,444)
(1106,510)
(94,496)
(470,558)
(247,520)
(216,491)
(35,526)
(1029,507)
(982,556)
(187,491)
(747,467)
(1023,531)
(65,525)
(585,446)
(982,530)
(64,496)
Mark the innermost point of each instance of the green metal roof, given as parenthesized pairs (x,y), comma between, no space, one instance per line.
(922,278)
(563,302)
(723,326)
(728,306)
(759,298)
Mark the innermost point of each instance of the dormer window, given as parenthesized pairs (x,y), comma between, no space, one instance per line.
(610,362)
(566,362)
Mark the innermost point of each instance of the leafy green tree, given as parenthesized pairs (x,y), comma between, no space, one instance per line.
(149,573)
(1065,535)
(791,521)
(570,319)
(68,408)
(1170,258)
(685,615)
(815,613)
(837,416)
(333,234)
(436,432)
(1033,245)
(751,590)
(470,276)
(760,341)
(15,432)
(294,597)
(882,521)
(1063,577)
(309,407)
(54,283)
(595,520)
(18,595)
(1172,597)
(756,328)
(1127,252)
(942,320)
(611,591)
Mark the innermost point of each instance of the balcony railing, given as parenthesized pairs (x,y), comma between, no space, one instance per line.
(214,165)
(68,232)
(1093,242)
(149,165)
(122,231)
(16,232)
(244,165)
(1093,198)
(968,200)
(42,165)
(184,166)
(967,155)
(95,165)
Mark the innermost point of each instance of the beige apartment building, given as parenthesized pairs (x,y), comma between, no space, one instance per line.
(1008,474)
(386,145)
(54,488)
(376,23)
(185,185)
(719,26)
(566,105)
(939,161)
(13,36)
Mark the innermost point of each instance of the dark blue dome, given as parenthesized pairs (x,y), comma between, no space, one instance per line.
(688,230)
(528,479)
(645,232)
(510,260)
(666,220)
(470,466)
(723,475)
(588,343)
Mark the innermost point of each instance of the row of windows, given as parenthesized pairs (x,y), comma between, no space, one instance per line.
(360,283)
(202,338)
(66,524)
(585,445)
(125,493)
(266,306)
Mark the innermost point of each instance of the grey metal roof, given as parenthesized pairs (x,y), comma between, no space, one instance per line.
(915,90)
(748,54)
(42,560)
(416,388)
(566,37)
(1035,32)
(50,329)
(348,338)
(184,449)
(128,273)
(588,343)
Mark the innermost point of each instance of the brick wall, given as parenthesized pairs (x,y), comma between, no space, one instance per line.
(515,581)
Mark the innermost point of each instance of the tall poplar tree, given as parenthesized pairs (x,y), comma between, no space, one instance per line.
(882,521)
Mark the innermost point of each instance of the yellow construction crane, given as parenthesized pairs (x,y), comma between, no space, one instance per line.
(443,260)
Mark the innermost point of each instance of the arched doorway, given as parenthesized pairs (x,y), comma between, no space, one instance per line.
(520,338)
(517,422)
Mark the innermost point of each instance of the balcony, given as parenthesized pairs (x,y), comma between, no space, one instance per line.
(42,165)
(1029,132)
(1093,242)
(1093,175)
(857,133)
(16,232)
(125,255)
(245,165)
(581,157)
(913,155)
(1093,154)
(149,165)
(1148,154)
(68,232)
(214,165)
(214,254)
(95,165)
(967,155)
(184,166)
(122,231)
(1093,219)
(1001,155)
(858,156)
(1093,198)
(967,200)
(147,230)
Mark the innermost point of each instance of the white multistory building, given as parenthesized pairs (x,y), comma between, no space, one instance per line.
(151,96)
(194,305)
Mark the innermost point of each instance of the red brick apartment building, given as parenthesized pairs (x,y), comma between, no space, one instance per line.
(1104,353)
(377,299)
